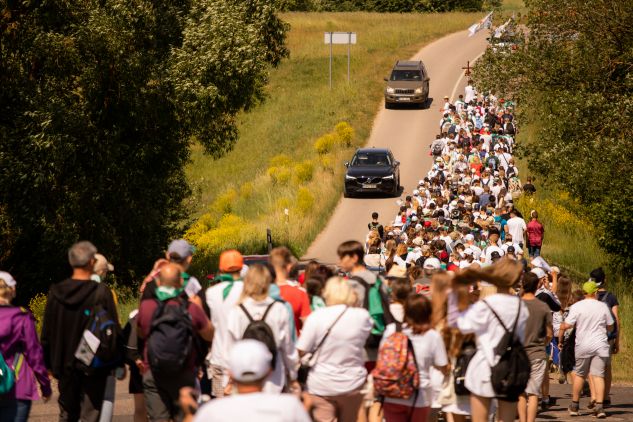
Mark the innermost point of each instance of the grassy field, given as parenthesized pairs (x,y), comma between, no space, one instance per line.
(299,109)
(571,243)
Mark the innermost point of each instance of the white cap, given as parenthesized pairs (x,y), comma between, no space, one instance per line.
(249,360)
(469,237)
(102,263)
(414,218)
(8,278)
(539,272)
(468,251)
(432,264)
(416,192)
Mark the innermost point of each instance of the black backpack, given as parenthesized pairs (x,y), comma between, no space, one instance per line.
(260,330)
(437,150)
(466,354)
(568,354)
(170,341)
(103,326)
(511,374)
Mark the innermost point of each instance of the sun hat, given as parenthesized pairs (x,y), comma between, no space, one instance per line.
(432,264)
(397,271)
(231,261)
(102,264)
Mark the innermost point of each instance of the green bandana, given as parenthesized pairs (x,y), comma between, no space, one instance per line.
(164,293)
(229,279)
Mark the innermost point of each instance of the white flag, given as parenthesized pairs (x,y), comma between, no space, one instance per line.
(484,23)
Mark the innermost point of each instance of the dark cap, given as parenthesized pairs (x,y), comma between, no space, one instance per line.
(598,275)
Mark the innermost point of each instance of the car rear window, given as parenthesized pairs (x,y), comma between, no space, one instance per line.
(371,159)
(406,75)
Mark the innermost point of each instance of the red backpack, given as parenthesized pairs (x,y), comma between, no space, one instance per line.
(396,374)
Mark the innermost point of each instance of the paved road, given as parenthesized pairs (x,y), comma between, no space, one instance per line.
(408,133)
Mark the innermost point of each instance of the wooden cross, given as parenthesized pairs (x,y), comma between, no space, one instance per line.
(467,68)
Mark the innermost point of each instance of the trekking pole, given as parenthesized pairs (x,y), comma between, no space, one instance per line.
(107,408)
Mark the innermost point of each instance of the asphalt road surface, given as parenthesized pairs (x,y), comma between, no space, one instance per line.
(408,133)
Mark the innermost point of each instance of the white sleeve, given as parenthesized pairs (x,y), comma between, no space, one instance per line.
(474,319)
(306,342)
(439,352)
(572,316)
(288,350)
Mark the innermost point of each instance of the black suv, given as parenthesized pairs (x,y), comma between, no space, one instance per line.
(372,170)
(408,84)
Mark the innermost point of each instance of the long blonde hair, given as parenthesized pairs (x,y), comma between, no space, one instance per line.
(256,283)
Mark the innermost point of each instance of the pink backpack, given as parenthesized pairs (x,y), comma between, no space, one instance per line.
(396,374)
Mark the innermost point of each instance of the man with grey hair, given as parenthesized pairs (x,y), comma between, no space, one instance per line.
(69,307)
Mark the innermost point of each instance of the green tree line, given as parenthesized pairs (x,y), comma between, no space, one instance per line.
(572,78)
(100,101)
(397,6)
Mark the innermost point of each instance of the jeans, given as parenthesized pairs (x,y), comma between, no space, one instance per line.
(15,410)
(534,251)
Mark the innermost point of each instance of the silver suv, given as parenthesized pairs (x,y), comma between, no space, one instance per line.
(408,84)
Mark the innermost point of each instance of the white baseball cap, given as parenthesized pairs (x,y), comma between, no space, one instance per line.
(539,272)
(249,360)
(8,278)
(432,264)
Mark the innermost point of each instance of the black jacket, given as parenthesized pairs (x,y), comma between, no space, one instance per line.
(65,319)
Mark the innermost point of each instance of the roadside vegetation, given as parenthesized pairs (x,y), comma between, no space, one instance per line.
(291,148)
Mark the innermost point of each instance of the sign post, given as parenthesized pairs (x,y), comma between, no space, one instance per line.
(348,38)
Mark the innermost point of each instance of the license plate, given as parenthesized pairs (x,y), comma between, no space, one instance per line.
(369,186)
(404,99)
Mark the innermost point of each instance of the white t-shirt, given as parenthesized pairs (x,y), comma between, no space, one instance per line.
(591,318)
(516,227)
(220,309)
(260,407)
(339,365)
(429,351)
(479,320)
(278,320)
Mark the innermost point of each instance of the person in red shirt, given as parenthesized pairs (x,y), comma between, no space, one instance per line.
(535,233)
(281,259)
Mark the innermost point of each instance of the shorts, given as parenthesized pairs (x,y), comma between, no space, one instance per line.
(537,373)
(218,379)
(594,365)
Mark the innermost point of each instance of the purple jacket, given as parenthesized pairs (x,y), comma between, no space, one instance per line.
(18,336)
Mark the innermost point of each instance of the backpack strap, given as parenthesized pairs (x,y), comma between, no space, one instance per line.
(514,326)
(243,308)
(263,318)
(327,333)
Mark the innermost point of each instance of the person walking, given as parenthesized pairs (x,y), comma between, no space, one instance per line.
(429,351)
(23,354)
(256,305)
(282,261)
(489,319)
(69,306)
(249,364)
(611,300)
(538,333)
(168,323)
(592,320)
(333,339)
(535,233)
(221,298)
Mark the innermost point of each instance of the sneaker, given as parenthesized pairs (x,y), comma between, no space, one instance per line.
(591,405)
(599,413)
(573,410)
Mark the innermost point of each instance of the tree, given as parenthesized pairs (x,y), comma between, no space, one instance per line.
(572,77)
(99,102)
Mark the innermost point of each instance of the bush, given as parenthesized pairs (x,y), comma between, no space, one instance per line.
(345,134)
(279,175)
(325,143)
(304,171)
(281,160)
(223,204)
(37,305)
(282,203)
(305,200)
(327,163)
